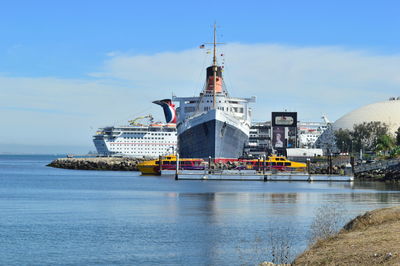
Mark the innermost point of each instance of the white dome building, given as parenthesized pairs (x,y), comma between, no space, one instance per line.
(387,112)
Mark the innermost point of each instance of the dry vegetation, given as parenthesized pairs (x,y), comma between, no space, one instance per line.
(370,239)
(276,244)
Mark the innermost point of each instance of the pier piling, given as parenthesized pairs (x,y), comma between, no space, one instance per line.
(177,166)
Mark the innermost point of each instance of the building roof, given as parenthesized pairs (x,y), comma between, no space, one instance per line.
(387,112)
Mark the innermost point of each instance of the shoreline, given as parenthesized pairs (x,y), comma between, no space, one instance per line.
(369,239)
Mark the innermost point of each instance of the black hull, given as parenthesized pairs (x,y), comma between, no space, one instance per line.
(212,138)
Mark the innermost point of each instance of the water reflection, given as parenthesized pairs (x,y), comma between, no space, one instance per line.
(220,220)
(382,186)
(120,218)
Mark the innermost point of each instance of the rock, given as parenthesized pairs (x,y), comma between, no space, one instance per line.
(388,255)
(99,163)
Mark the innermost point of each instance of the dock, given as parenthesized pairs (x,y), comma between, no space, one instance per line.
(252,175)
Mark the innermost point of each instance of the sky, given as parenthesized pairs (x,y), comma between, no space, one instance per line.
(70,67)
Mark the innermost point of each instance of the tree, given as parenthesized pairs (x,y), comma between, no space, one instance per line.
(395,152)
(398,137)
(365,135)
(385,143)
(343,140)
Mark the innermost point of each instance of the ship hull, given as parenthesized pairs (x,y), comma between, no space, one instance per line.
(213,137)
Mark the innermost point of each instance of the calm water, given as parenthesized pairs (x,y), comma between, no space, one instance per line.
(55,216)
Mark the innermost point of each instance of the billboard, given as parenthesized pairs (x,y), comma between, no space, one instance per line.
(278,137)
(284,119)
(284,131)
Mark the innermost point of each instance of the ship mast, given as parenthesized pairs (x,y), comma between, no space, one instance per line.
(215,67)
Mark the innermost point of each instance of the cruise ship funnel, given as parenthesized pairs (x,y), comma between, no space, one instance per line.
(169,110)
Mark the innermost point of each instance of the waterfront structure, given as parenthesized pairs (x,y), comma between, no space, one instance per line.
(387,112)
(214,123)
(259,142)
(304,153)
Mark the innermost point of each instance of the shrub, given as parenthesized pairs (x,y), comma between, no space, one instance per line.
(328,220)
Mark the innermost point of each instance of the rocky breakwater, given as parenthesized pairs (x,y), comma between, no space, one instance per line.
(98,163)
(323,169)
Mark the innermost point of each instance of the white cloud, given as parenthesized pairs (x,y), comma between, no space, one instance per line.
(310,80)
(52,111)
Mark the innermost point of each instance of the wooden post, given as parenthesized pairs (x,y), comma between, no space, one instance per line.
(177,166)
(330,164)
(352,164)
(209,164)
(263,170)
(308,166)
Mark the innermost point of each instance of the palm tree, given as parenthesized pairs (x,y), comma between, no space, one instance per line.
(385,143)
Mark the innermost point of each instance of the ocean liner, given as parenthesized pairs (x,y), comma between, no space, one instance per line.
(140,140)
(214,123)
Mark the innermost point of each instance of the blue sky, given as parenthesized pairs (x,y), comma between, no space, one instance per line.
(63,62)
(70,38)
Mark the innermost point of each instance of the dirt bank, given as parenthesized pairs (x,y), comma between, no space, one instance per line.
(370,239)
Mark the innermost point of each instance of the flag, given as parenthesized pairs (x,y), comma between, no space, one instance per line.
(202,46)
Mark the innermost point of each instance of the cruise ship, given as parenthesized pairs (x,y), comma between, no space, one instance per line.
(214,123)
(309,132)
(139,140)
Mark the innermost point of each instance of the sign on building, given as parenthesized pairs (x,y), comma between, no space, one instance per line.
(284,131)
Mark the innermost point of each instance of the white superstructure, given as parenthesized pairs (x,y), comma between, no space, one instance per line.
(136,140)
(193,111)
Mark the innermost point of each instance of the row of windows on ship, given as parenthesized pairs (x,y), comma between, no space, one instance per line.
(143,129)
(143,144)
(189,109)
(140,139)
(150,134)
(209,96)
(127,150)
